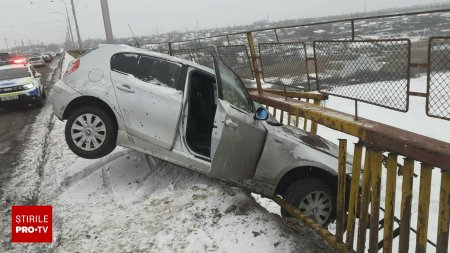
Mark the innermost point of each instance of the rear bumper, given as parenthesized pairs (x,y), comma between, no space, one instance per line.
(61,96)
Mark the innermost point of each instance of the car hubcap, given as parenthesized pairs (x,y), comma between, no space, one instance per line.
(88,132)
(317,205)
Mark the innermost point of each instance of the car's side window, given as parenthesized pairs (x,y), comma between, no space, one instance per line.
(124,63)
(158,71)
(233,90)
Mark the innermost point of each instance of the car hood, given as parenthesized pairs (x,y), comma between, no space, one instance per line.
(302,145)
(15,82)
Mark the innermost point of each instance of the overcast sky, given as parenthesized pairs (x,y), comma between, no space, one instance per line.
(44,20)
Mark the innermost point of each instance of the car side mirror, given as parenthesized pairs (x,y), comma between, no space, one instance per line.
(261,114)
(37,75)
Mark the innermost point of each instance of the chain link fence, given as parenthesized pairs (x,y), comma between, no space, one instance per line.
(285,64)
(236,57)
(184,54)
(438,88)
(371,71)
(204,56)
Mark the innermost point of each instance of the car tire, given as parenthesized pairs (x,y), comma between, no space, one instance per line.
(94,139)
(44,93)
(313,197)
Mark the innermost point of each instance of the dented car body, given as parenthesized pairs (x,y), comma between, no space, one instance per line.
(195,117)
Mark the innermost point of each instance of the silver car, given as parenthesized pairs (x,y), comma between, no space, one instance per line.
(36,61)
(195,117)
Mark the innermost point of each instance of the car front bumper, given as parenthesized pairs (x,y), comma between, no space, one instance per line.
(29,96)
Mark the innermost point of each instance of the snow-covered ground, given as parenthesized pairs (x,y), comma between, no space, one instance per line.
(129,202)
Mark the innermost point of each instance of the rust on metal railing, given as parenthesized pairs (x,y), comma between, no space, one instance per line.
(295,94)
(424,208)
(364,209)
(405,215)
(354,194)
(409,144)
(340,205)
(391,180)
(254,62)
(444,212)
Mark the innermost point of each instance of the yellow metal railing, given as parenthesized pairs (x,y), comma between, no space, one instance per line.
(364,199)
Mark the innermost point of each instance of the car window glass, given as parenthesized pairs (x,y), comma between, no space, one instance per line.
(125,63)
(7,74)
(158,71)
(233,90)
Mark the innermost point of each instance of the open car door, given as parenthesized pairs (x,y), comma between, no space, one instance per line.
(237,139)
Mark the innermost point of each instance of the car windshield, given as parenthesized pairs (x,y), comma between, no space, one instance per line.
(6,74)
(33,59)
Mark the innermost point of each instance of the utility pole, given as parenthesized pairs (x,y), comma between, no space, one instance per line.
(68,21)
(6,42)
(80,47)
(107,22)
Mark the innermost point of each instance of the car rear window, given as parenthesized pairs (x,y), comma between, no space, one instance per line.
(158,71)
(6,74)
(125,63)
(33,59)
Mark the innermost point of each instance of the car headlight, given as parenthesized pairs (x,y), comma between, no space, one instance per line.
(28,86)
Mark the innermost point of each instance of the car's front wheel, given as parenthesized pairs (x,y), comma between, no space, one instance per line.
(314,198)
(90,132)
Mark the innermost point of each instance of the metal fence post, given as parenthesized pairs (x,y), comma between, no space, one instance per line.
(254,62)
(340,205)
(170,49)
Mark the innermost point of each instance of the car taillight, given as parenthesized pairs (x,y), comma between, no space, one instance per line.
(18,60)
(73,66)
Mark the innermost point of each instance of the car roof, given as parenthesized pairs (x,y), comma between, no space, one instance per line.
(13,66)
(121,48)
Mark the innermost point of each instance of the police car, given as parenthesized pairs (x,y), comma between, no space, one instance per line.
(19,81)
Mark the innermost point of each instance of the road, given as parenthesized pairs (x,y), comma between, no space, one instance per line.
(15,120)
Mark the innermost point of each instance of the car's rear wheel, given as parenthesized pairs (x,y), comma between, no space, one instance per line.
(314,198)
(90,132)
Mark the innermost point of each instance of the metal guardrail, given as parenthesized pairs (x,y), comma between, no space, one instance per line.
(372,71)
(184,54)
(285,64)
(204,56)
(236,57)
(438,88)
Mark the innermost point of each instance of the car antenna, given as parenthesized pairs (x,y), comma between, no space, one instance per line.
(137,43)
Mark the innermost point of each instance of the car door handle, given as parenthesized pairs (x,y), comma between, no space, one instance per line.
(125,88)
(229,123)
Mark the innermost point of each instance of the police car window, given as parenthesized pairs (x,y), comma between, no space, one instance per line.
(125,63)
(158,71)
(6,74)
